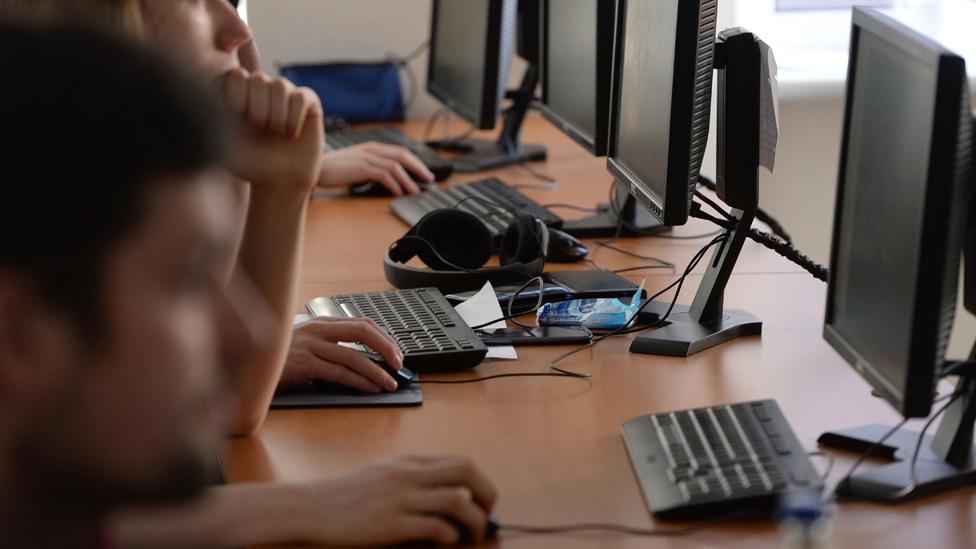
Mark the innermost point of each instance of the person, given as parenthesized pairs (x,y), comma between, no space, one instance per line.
(210,38)
(121,336)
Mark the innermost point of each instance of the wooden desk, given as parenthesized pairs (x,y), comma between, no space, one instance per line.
(553,445)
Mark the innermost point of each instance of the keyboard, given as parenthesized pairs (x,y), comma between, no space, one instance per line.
(710,461)
(428,330)
(491,200)
(438,165)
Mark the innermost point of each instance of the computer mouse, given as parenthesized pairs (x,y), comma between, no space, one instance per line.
(565,248)
(374,188)
(403,376)
(491,530)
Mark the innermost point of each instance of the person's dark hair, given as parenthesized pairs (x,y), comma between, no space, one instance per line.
(90,122)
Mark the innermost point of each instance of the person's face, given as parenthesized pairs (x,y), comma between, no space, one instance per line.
(139,413)
(204,34)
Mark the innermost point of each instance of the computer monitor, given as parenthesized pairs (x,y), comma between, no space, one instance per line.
(471,48)
(661,102)
(576,61)
(899,228)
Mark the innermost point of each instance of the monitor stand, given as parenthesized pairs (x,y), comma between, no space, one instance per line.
(945,460)
(477,155)
(706,323)
(632,221)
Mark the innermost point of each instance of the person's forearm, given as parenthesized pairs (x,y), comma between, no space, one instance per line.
(271,256)
(236,515)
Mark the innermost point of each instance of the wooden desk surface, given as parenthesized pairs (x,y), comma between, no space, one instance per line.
(553,445)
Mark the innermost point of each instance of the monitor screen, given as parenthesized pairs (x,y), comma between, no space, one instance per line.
(892,258)
(471,50)
(571,66)
(662,85)
(646,81)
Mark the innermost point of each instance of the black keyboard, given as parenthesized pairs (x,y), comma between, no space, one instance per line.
(429,331)
(491,200)
(737,457)
(438,165)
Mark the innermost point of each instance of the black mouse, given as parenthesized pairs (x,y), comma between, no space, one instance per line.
(403,376)
(565,248)
(375,188)
(491,530)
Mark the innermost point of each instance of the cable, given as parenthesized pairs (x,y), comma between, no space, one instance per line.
(830,463)
(538,302)
(623,529)
(549,183)
(571,207)
(921,438)
(761,214)
(487,378)
(781,247)
(403,63)
(679,283)
(845,481)
(664,264)
(701,196)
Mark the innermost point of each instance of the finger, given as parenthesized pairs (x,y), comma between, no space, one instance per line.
(337,373)
(258,101)
(355,362)
(361,330)
(235,90)
(461,472)
(298,108)
(421,528)
(414,165)
(396,171)
(454,503)
(278,108)
(386,179)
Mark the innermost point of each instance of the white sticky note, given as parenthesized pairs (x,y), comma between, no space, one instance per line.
(483,307)
(768,108)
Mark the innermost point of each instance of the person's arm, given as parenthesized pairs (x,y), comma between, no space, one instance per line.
(410,499)
(278,152)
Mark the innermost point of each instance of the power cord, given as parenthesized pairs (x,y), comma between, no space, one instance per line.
(488,378)
(627,530)
(761,214)
(774,243)
(403,63)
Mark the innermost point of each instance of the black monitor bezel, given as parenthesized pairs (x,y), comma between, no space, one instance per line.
(487,117)
(605,22)
(940,241)
(673,209)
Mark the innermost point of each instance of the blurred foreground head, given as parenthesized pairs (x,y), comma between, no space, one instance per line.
(117,334)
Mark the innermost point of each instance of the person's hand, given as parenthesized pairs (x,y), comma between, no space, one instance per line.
(282,135)
(388,164)
(315,355)
(407,499)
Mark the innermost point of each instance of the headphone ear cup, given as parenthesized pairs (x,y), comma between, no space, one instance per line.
(453,238)
(522,241)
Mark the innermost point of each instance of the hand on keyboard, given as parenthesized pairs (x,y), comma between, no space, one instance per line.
(396,168)
(316,354)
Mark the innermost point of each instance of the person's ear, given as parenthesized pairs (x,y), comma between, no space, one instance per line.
(36,343)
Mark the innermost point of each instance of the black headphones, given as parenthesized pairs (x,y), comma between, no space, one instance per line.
(455,245)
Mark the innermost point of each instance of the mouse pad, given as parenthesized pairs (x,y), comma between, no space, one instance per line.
(329,395)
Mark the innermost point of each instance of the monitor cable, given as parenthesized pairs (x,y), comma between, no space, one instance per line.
(629,530)
(761,215)
(774,243)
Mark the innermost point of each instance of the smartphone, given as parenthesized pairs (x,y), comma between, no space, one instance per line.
(546,335)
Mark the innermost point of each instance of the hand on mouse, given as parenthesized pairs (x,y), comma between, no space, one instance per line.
(402,500)
(386,164)
(315,355)
(282,132)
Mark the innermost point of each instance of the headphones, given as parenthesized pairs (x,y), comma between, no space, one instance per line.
(456,245)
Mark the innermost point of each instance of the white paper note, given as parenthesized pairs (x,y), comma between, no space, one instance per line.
(768,108)
(483,307)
